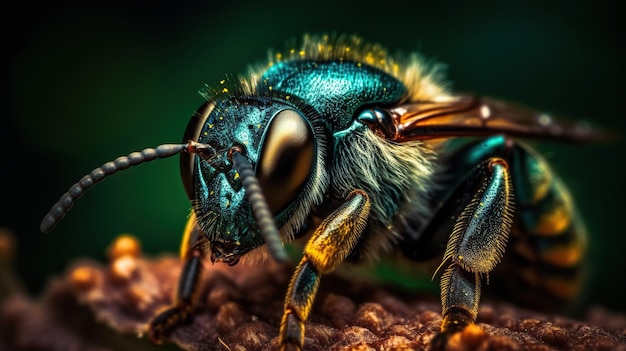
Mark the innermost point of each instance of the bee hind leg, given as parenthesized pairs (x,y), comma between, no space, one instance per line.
(482,206)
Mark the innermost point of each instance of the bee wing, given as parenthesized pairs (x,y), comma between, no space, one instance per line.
(477,116)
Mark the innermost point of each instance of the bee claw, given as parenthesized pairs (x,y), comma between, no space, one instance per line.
(167,320)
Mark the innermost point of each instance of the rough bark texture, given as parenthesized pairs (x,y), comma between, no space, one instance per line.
(96,307)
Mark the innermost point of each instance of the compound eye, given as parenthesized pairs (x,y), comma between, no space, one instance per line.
(286,158)
(192,132)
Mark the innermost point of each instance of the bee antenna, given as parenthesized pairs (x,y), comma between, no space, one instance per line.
(260,209)
(58,210)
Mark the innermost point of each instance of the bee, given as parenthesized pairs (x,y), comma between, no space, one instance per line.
(358,153)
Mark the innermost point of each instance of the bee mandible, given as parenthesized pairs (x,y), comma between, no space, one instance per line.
(359,153)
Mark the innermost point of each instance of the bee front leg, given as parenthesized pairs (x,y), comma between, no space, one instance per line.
(182,308)
(329,245)
(476,245)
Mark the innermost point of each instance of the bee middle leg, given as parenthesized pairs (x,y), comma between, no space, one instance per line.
(182,308)
(329,245)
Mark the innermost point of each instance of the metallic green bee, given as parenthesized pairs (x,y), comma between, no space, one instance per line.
(377,152)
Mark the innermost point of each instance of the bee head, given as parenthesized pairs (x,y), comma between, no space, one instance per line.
(258,155)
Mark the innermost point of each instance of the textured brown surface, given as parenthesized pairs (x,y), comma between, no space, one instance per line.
(95,307)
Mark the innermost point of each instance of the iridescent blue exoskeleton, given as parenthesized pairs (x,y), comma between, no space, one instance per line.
(361,153)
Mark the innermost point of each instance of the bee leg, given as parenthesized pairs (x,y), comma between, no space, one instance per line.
(462,295)
(181,310)
(329,245)
(477,243)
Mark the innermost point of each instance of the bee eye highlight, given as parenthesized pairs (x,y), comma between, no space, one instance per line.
(286,158)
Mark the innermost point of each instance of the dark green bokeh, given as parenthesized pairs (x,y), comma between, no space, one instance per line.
(86,84)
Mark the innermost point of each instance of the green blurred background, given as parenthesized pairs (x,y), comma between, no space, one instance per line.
(87,83)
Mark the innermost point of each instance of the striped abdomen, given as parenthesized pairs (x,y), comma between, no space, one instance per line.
(545,260)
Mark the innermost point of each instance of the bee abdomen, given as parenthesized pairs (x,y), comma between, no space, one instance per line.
(548,242)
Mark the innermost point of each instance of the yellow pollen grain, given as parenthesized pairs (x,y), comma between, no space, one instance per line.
(124,245)
(211,125)
(123,268)
(236,176)
(302,53)
(225,90)
(222,81)
(472,337)
(83,278)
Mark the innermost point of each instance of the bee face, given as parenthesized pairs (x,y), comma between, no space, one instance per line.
(278,141)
